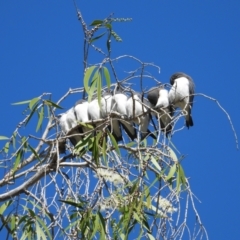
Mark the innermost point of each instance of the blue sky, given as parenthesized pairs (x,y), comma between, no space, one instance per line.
(41,51)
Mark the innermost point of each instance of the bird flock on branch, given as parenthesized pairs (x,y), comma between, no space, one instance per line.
(132,110)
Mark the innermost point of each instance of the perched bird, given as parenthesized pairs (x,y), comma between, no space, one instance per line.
(94,112)
(158,98)
(97,112)
(119,105)
(135,108)
(81,112)
(67,121)
(182,93)
(105,110)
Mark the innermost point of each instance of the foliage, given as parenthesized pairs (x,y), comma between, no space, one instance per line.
(100,189)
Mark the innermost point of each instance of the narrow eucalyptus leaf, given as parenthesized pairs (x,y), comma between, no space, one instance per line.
(99,89)
(4,138)
(31,114)
(104,153)
(155,163)
(182,175)
(18,159)
(107,77)
(4,206)
(33,102)
(6,147)
(23,102)
(114,143)
(150,236)
(50,103)
(40,118)
(34,153)
(96,38)
(87,76)
(171,172)
(96,22)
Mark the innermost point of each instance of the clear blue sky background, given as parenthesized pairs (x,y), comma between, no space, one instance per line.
(41,51)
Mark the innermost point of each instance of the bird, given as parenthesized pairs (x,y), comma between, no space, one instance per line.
(81,113)
(105,109)
(181,94)
(135,108)
(67,121)
(119,105)
(158,98)
(94,112)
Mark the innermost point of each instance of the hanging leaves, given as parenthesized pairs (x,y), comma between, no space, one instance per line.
(40,118)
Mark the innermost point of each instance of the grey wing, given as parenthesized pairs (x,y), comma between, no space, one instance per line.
(153,95)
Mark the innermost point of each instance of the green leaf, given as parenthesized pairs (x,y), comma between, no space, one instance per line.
(5,206)
(25,234)
(148,197)
(86,125)
(135,215)
(155,163)
(23,102)
(93,86)
(104,152)
(150,236)
(84,143)
(95,151)
(38,207)
(40,233)
(144,142)
(178,179)
(96,226)
(96,38)
(18,159)
(6,147)
(96,22)
(172,154)
(171,172)
(122,236)
(99,89)
(33,102)
(134,187)
(31,114)
(102,221)
(34,153)
(25,143)
(40,118)
(130,144)
(181,179)
(50,103)
(107,77)
(114,143)
(44,227)
(147,157)
(87,76)
(14,139)
(13,222)
(74,204)
(4,138)
(108,26)
(182,176)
